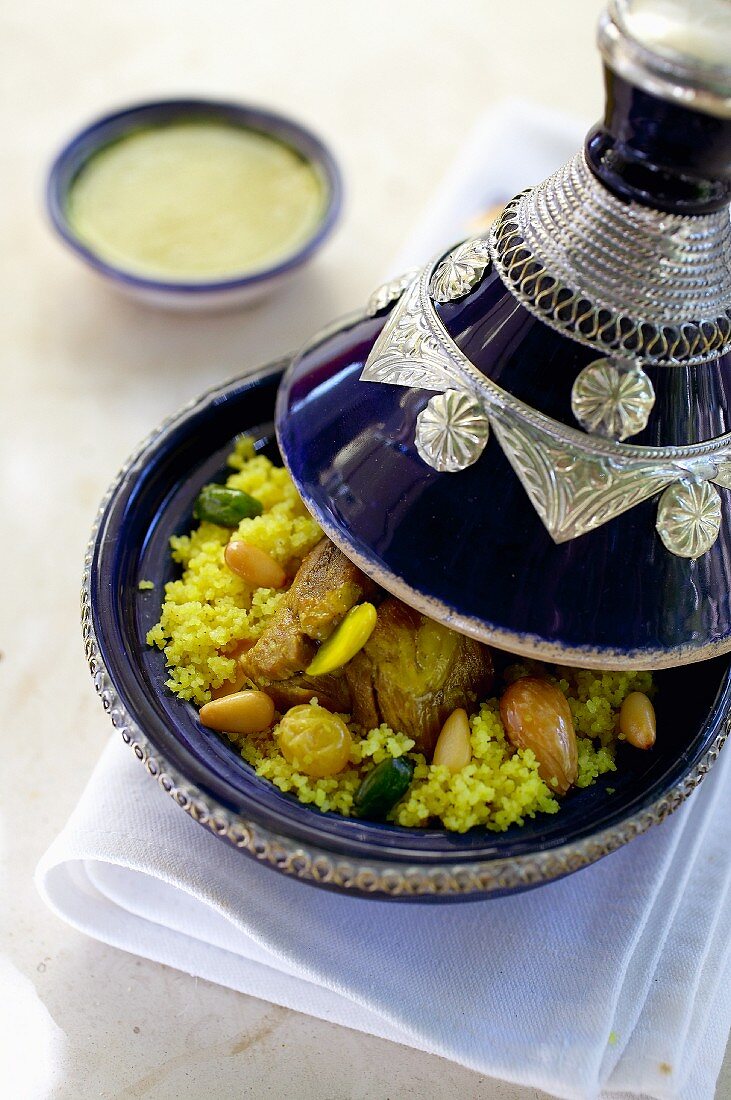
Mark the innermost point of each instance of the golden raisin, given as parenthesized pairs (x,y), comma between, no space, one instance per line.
(314,741)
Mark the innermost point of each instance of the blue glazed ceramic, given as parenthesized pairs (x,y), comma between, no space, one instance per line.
(215,294)
(586,336)
(152,500)
(469,548)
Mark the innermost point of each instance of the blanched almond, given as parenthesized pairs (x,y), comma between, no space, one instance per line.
(536,716)
(453,749)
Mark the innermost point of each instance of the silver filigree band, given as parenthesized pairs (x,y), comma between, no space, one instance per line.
(618,277)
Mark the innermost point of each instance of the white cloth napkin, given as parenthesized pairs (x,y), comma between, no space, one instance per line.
(615,979)
(614,982)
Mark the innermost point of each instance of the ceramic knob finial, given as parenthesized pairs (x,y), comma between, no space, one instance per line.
(665,140)
(690,31)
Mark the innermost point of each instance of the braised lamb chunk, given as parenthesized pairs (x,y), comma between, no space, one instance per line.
(331,692)
(281,651)
(412,673)
(324,589)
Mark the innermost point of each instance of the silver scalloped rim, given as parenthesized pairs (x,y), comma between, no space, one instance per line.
(373,878)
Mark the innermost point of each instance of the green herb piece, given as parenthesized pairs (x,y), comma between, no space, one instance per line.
(383,787)
(225,507)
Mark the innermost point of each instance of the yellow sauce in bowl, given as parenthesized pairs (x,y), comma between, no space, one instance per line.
(196,201)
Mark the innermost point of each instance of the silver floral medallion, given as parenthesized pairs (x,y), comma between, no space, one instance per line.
(451,432)
(460,271)
(689,518)
(613,398)
(388,293)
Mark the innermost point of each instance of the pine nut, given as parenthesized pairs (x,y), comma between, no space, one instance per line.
(253,565)
(637,721)
(242,712)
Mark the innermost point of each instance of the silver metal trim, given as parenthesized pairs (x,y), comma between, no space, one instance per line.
(451,432)
(689,517)
(613,398)
(461,270)
(389,292)
(617,277)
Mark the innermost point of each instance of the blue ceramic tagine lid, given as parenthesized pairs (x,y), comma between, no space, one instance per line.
(529,439)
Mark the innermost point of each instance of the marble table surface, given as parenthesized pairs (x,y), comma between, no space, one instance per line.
(394,87)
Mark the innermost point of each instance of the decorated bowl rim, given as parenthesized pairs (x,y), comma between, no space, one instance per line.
(457,878)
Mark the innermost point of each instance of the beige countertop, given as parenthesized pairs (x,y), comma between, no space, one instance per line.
(394,85)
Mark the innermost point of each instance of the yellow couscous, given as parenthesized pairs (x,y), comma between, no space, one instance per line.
(209,611)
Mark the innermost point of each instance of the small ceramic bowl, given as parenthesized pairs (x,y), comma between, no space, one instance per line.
(151,500)
(215,294)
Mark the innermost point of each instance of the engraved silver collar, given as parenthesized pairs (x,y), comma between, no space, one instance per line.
(575,481)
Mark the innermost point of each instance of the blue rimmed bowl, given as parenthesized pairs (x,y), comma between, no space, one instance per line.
(213,294)
(151,500)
